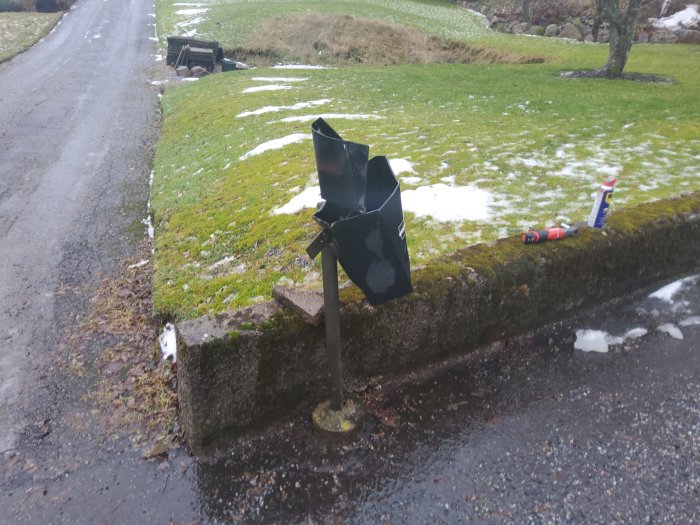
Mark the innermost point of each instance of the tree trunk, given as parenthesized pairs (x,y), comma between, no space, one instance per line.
(598,21)
(621,33)
(621,38)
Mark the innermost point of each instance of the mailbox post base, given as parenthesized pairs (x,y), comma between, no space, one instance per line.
(349,422)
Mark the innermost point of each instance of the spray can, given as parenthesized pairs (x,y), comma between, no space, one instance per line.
(602,202)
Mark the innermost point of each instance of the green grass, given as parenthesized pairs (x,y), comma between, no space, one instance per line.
(234,22)
(18,31)
(538,143)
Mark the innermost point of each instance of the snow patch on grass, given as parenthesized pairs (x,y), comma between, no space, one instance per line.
(299,66)
(401,166)
(275,109)
(309,198)
(194,11)
(280,79)
(448,203)
(271,87)
(276,144)
(328,116)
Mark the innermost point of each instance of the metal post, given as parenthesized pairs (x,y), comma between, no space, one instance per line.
(329,264)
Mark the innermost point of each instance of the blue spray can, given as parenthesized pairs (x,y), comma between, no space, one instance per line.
(602,202)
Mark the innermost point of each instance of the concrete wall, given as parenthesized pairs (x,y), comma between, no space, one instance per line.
(242,368)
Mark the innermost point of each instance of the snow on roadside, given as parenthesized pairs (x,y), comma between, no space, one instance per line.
(168,342)
(693,320)
(668,292)
(635,333)
(139,264)
(600,341)
(671,329)
(595,341)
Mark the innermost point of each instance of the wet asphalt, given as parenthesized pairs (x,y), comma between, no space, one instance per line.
(78,120)
(528,430)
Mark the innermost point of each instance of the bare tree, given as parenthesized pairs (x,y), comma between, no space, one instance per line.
(621,15)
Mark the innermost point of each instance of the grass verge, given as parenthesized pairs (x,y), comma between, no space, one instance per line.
(19,31)
(519,145)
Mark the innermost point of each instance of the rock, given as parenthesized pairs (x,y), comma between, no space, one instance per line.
(643,38)
(521,28)
(688,36)
(670,38)
(551,30)
(199,71)
(308,303)
(159,448)
(570,31)
(603,37)
(536,30)
(183,71)
(588,38)
(582,28)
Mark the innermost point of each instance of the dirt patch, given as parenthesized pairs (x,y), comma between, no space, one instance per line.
(349,40)
(601,73)
(135,391)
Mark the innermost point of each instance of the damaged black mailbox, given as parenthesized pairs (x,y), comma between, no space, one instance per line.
(361,218)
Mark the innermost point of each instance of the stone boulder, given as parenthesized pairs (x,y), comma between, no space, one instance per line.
(551,30)
(521,28)
(199,72)
(664,36)
(570,31)
(183,71)
(688,36)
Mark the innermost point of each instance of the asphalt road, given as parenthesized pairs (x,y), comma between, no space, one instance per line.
(528,431)
(77,119)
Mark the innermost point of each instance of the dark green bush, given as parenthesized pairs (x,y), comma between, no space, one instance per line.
(10,6)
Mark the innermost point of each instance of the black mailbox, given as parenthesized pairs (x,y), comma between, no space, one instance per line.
(362,216)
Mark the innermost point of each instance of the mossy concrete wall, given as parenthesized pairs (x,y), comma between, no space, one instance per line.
(241,368)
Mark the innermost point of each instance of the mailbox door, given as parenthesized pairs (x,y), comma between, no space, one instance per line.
(342,167)
(371,247)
